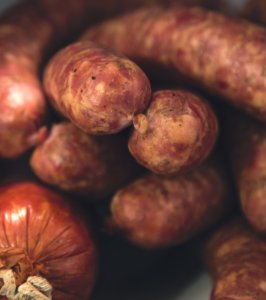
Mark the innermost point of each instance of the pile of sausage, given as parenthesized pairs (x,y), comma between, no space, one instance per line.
(152,109)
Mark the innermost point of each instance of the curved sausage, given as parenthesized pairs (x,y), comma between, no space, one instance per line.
(225,56)
(98,90)
(155,212)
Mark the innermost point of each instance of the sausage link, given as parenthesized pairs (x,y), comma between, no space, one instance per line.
(246,143)
(79,163)
(98,90)
(28,32)
(177,132)
(223,55)
(155,212)
(236,258)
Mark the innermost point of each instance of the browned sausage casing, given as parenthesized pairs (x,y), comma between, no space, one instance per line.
(22,103)
(76,162)
(155,212)
(246,141)
(237,260)
(98,90)
(177,132)
(27,32)
(224,55)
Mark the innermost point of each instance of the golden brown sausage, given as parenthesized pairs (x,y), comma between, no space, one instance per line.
(27,33)
(98,90)
(177,132)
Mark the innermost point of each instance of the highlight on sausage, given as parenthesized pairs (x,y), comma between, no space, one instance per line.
(98,90)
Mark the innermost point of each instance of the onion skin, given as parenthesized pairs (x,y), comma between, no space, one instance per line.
(53,239)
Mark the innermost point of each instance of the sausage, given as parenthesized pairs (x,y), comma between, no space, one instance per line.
(196,44)
(98,90)
(21,51)
(177,132)
(30,31)
(79,163)
(236,259)
(254,10)
(155,212)
(27,33)
(246,145)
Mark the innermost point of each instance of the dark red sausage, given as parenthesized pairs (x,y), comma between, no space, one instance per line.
(28,31)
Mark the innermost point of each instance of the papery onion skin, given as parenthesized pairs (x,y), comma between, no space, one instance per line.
(57,241)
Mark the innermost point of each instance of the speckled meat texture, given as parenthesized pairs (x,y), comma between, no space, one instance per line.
(79,163)
(155,212)
(223,55)
(246,141)
(27,32)
(236,258)
(42,234)
(176,134)
(98,90)
(22,46)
